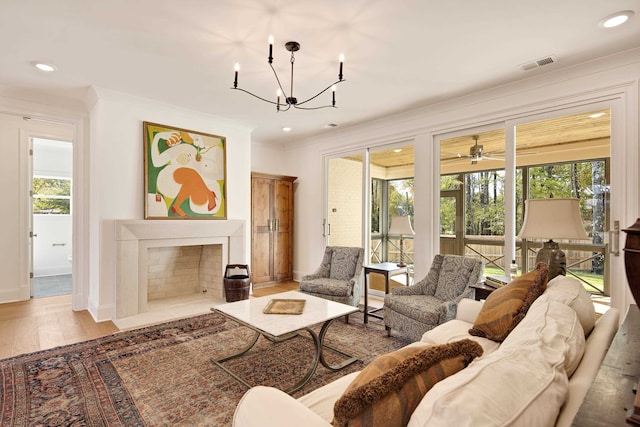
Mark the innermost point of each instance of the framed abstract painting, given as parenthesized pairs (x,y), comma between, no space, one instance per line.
(185,173)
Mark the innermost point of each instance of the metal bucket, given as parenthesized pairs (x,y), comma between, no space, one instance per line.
(236,286)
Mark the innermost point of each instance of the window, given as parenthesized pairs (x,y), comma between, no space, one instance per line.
(392,193)
(51,196)
(561,157)
(398,201)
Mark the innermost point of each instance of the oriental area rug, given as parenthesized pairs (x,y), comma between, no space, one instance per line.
(163,375)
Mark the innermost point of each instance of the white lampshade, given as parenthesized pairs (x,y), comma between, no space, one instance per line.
(401,225)
(552,219)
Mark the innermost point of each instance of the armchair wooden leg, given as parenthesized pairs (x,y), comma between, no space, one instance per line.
(388,330)
(346,318)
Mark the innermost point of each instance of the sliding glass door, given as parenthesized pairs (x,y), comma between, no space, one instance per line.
(487,174)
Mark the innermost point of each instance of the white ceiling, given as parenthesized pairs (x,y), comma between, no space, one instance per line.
(400,54)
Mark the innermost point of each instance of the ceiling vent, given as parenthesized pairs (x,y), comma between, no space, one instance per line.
(538,63)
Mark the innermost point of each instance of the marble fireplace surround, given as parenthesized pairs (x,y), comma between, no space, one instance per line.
(135,237)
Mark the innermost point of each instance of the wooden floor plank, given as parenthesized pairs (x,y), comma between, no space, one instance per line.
(42,323)
(7,332)
(26,338)
(49,331)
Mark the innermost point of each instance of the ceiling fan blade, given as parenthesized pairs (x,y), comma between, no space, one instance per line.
(450,154)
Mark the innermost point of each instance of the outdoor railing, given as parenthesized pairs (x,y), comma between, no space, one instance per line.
(582,260)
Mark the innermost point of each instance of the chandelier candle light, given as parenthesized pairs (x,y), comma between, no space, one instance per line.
(290,100)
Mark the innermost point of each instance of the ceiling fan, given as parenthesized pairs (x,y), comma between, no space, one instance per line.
(477,153)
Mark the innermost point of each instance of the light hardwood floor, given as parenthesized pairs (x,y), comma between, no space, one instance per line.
(42,323)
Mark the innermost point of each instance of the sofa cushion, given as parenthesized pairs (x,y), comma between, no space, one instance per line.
(322,400)
(456,330)
(505,307)
(561,337)
(386,391)
(570,291)
(343,263)
(261,400)
(523,383)
(596,347)
(514,388)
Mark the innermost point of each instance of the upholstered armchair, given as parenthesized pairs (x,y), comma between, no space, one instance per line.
(338,277)
(413,310)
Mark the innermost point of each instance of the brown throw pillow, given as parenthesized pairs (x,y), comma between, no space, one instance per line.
(506,306)
(387,391)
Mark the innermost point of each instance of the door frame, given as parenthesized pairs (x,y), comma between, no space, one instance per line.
(45,129)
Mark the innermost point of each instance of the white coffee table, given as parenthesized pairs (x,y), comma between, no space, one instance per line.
(281,327)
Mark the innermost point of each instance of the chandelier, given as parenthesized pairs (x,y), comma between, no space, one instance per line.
(290,100)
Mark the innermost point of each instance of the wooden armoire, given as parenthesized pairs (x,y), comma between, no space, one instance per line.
(271,228)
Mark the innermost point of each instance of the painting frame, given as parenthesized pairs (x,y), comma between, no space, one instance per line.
(185,173)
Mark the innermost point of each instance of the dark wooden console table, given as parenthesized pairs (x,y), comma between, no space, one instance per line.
(611,396)
(481,290)
(387,269)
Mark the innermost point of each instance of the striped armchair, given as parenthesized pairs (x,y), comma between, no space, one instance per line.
(413,310)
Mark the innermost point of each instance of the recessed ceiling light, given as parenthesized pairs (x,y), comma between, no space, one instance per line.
(42,66)
(286,129)
(616,19)
(596,115)
(397,150)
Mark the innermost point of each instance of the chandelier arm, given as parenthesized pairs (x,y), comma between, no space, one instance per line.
(320,93)
(254,95)
(314,108)
(279,84)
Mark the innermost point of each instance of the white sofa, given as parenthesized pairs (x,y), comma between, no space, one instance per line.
(538,376)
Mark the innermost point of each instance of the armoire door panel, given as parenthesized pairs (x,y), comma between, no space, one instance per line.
(272,228)
(261,244)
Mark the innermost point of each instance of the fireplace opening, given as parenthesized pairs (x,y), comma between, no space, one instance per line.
(176,271)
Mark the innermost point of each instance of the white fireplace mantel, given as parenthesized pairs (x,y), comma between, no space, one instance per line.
(135,237)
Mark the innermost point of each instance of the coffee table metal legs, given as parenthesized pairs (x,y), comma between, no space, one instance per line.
(243,350)
(344,364)
(318,343)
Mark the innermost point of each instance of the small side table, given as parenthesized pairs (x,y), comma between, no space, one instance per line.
(387,269)
(481,290)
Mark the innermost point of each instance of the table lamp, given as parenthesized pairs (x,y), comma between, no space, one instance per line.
(401,225)
(549,219)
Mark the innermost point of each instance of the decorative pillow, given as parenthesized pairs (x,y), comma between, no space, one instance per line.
(507,306)
(343,264)
(386,392)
